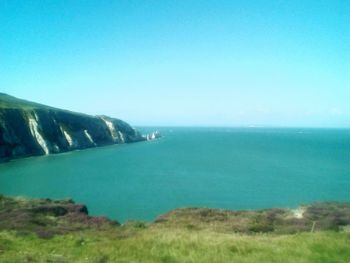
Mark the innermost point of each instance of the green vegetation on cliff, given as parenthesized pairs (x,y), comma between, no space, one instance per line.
(61,231)
(10,102)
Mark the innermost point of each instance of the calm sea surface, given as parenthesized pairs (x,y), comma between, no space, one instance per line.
(237,168)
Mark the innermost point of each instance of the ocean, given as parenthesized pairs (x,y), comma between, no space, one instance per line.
(229,168)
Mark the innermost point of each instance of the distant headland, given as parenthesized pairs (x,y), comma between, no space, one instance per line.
(29,128)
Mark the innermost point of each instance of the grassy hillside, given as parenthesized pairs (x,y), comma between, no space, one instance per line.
(10,102)
(61,231)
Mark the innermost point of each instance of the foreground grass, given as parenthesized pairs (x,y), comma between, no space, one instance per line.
(132,243)
(44,230)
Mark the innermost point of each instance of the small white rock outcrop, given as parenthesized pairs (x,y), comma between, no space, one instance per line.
(153,136)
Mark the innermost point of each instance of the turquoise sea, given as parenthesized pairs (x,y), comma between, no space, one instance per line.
(235,168)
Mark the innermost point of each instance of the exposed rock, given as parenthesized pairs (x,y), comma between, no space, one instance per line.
(153,136)
(28,128)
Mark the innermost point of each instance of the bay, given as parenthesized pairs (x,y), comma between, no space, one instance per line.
(231,168)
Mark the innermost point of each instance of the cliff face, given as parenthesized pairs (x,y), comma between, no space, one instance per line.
(32,129)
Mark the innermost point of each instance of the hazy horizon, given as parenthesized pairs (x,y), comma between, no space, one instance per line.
(173,63)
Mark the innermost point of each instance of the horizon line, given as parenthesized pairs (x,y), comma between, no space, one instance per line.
(242,126)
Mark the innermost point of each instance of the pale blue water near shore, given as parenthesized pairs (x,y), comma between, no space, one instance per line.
(234,168)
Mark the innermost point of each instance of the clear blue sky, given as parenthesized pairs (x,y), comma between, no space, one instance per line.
(182,62)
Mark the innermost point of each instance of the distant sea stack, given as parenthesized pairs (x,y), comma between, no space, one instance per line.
(153,136)
(28,129)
